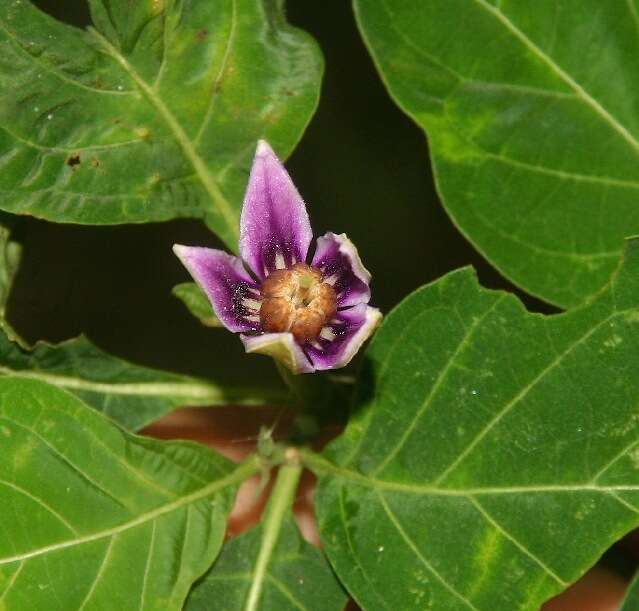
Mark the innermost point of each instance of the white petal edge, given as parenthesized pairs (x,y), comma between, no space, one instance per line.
(349,250)
(372,321)
(280,346)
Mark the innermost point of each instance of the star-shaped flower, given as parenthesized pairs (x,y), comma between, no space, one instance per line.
(308,316)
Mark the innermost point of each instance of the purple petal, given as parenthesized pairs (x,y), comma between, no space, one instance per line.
(339,262)
(231,291)
(280,346)
(340,340)
(274,228)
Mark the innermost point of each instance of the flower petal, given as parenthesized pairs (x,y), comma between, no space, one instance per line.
(339,341)
(337,258)
(275,231)
(280,346)
(231,291)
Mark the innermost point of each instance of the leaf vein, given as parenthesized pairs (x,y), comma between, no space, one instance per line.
(613,460)
(493,522)
(599,109)
(351,547)
(242,472)
(99,574)
(463,343)
(215,94)
(206,177)
(55,72)
(286,592)
(395,522)
(42,504)
(12,581)
(147,568)
(607,181)
(520,396)
(56,452)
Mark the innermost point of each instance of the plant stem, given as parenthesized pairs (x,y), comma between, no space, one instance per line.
(279,504)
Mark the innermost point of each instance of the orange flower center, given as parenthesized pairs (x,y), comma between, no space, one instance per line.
(297,300)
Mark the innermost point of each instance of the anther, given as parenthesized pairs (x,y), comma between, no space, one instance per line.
(297,300)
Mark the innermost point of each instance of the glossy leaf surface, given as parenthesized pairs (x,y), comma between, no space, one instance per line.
(152,115)
(532,119)
(95,518)
(493,453)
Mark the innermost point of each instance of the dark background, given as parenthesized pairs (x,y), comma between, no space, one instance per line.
(363,168)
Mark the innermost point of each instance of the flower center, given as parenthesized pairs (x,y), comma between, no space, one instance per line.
(297,300)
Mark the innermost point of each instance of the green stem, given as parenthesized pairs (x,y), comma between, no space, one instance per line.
(316,462)
(279,504)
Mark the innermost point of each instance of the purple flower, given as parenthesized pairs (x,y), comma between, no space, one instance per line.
(308,316)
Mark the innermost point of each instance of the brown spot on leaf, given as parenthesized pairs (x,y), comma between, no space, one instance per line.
(202,34)
(73,161)
(95,162)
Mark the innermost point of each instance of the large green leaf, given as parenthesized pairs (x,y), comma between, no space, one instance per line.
(493,454)
(95,518)
(532,117)
(152,115)
(130,394)
(270,568)
(298,577)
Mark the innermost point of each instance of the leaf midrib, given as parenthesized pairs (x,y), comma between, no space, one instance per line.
(55,71)
(441,377)
(579,91)
(522,394)
(322,466)
(244,471)
(188,148)
(194,390)
(505,409)
(562,74)
(415,549)
(170,390)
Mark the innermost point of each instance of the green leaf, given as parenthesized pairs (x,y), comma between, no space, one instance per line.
(296,575)
(130,394)
(533,132)
(631,602)
(197,303)
(154,114)
(96,518)
(493,454)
